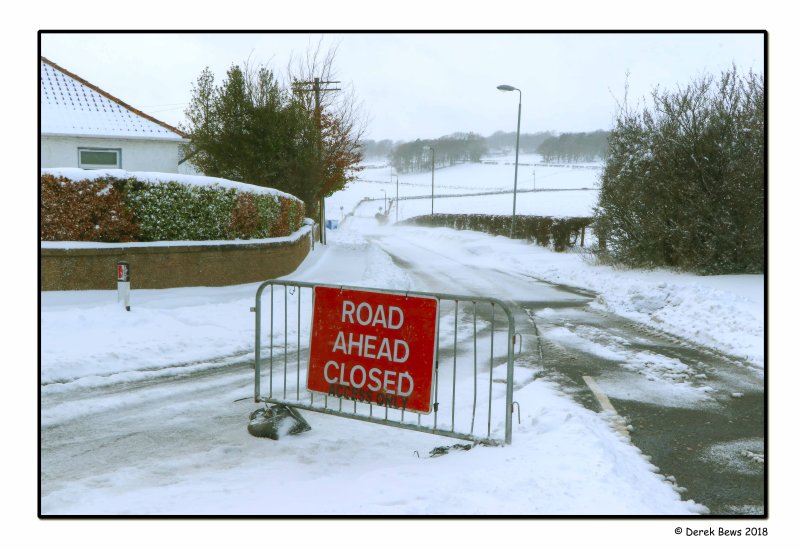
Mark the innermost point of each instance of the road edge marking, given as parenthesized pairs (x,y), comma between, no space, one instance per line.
(606,405)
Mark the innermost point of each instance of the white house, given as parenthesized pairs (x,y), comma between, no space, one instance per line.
(81,126)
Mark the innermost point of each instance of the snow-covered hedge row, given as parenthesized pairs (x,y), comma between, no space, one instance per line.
(561,233)
(118,206)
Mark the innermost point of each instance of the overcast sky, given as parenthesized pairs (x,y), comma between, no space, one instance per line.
(420,85)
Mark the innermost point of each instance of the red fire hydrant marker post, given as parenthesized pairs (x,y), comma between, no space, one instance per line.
(373,347)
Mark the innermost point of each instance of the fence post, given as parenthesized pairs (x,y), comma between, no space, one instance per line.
(510,374)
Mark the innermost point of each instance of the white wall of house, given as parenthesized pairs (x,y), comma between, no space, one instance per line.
(189,169)
(136,155)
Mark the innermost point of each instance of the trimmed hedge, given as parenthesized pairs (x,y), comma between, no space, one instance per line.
(561,233)
(129,210)
(89,211)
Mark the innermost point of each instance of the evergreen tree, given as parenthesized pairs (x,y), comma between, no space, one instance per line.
(248,129)
(252,129)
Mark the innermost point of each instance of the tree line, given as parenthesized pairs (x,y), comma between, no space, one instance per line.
(498,141)
(421,155)
(575,147)
(507,141)
(417,155)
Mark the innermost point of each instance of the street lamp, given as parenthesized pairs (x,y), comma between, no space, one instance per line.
(507,88)
(384,202)
(397,200)
(433,166)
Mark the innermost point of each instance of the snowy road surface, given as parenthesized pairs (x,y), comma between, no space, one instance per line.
(698,413)
(142,421)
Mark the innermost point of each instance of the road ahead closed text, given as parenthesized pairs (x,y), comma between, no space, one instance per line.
(373,347)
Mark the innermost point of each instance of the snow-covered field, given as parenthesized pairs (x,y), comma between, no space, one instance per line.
(565,460)
(558,190)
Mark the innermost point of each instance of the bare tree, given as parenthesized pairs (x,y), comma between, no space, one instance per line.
(336,111)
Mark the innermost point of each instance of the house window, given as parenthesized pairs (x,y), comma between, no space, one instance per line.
(91,158)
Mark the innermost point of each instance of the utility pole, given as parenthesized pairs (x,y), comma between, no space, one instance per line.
(433,169)
(397,196)
(315,86)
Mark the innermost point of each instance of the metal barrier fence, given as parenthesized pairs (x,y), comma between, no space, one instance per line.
(473,375)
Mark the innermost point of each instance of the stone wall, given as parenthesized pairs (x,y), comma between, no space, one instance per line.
(167,266)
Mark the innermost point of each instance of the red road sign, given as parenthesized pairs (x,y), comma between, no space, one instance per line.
(123,272)
(373,347)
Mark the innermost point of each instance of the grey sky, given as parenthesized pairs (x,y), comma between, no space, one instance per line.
(421,85)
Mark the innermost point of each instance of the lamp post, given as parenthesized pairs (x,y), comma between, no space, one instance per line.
(433,167)
(507,88)
(384,202)
(397,200)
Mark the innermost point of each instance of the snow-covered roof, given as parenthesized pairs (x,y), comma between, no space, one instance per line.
(71,106)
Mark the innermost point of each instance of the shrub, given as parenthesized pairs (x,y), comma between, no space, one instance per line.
(172,211)
(84,211)
(289,219)
(683,184)
(269,211)
(544,231)
(245,218)
(118,210)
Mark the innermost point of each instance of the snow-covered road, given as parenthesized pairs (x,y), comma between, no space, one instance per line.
(669,389)
(139,421)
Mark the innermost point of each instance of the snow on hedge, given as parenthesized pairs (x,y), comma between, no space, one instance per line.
(78,174)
